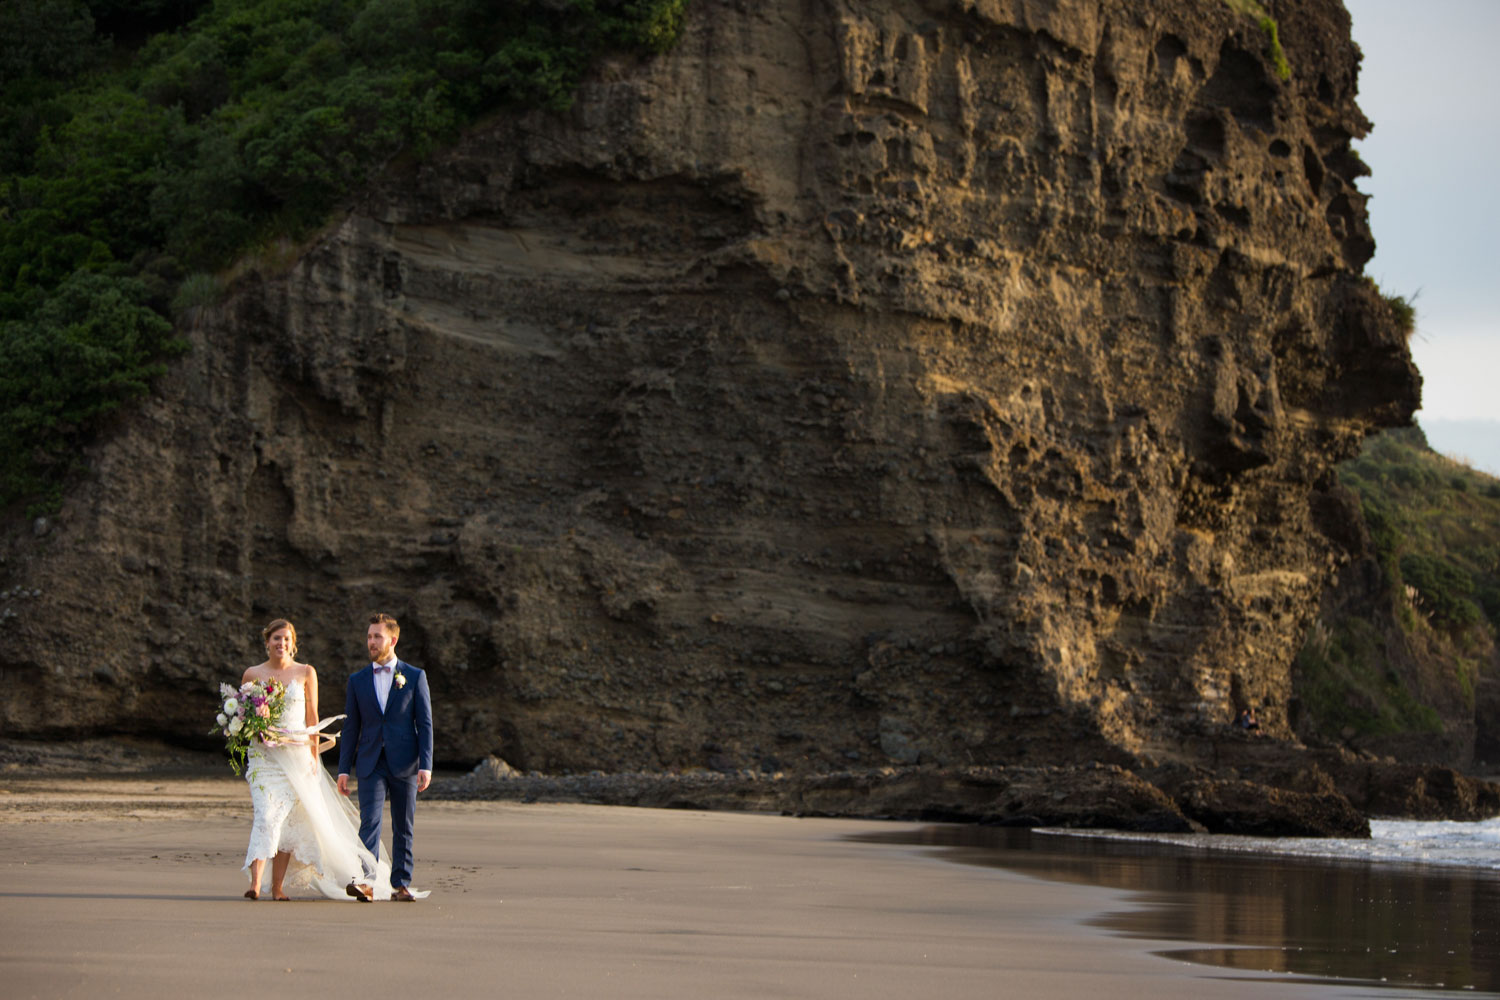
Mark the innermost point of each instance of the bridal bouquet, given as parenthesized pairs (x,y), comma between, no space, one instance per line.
(247,713)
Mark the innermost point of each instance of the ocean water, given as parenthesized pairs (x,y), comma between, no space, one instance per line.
(1413,911)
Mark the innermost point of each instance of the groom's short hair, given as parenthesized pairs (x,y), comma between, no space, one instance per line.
(391,625)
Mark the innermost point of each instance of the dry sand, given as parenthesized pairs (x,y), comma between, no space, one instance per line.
(131,888)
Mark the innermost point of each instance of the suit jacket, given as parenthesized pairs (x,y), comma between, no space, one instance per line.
(403,730)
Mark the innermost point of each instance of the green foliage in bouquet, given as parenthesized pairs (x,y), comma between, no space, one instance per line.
(144,142)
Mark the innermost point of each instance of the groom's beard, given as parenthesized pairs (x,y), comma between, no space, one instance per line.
(379,654)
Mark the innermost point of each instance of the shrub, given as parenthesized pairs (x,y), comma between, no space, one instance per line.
(1278,55)
(1445,588)
(1344,682)
(196,291)
(93,345)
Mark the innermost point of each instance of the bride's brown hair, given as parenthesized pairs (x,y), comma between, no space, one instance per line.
(277,625)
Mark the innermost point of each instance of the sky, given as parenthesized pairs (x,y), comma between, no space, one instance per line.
(1431,84)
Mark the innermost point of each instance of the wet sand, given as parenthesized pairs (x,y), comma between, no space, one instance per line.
(131,888)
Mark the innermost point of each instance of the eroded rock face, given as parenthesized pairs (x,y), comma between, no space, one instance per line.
(892,382)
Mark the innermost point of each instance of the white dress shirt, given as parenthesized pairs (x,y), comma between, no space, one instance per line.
(383,679)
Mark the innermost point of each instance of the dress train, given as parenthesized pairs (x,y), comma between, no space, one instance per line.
(298,809)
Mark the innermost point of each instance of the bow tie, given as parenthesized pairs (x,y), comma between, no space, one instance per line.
(379,668)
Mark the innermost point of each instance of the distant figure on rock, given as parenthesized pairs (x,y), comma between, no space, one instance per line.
(1247,720)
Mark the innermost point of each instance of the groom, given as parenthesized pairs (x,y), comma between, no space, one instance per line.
(387,742)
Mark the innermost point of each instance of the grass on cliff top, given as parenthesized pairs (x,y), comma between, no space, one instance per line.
(145,144)
(1434,526)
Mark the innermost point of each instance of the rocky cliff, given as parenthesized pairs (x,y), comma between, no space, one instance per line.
(947,382)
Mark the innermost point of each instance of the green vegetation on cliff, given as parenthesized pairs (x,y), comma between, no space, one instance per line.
(1268,24)
(1435,526)
(146,143)
(1407,656)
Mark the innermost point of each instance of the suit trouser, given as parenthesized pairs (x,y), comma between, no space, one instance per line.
(373,791)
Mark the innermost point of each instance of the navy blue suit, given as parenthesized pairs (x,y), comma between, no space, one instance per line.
(385,750)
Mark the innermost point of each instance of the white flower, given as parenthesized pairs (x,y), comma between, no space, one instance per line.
(231,707)
(401,680)
(222,720)
(225,690)
(236,724)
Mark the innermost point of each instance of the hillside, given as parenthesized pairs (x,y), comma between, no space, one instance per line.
(1402,658)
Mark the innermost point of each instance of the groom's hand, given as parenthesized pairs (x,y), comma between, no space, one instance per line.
(424,778)
(343,784)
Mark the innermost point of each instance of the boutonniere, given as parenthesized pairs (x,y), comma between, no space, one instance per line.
(400,679)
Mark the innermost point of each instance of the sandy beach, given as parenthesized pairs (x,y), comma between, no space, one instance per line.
(131,888)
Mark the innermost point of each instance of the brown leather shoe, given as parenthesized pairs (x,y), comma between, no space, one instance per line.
(403,895)
(363,893)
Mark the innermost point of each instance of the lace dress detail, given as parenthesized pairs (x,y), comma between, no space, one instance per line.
(298,810)
(280,824)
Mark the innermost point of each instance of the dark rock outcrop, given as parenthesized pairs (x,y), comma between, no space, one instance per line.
(1089,797)
(1093,796)
(1253,809)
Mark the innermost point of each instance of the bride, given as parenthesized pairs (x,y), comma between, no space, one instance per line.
(308,832)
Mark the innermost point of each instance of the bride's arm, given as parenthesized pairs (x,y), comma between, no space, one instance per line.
(310,686)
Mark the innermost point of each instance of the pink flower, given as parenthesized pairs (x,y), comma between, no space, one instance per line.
(263,711)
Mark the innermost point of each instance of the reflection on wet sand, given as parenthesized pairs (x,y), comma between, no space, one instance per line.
(1400,925)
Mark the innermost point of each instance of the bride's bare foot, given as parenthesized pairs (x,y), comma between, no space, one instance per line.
(282,898)
(251,894)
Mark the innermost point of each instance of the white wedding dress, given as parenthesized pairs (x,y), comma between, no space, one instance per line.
(298,809)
